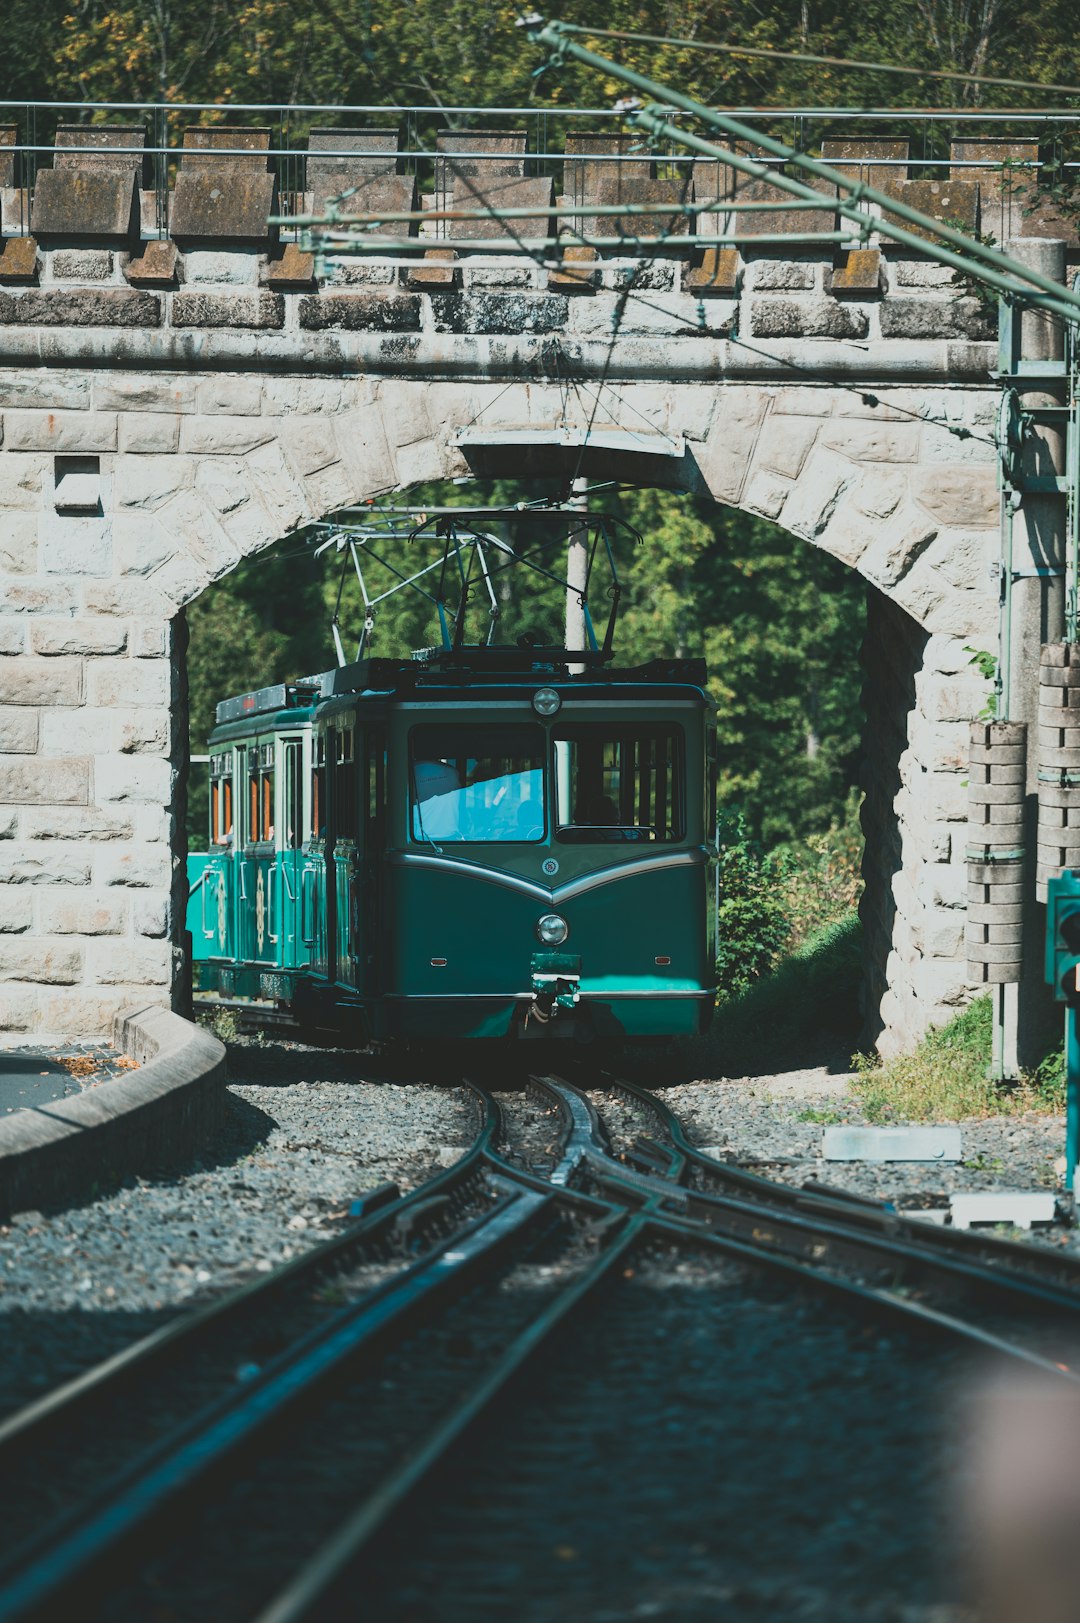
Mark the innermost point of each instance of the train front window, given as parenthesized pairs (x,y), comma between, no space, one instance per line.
(477,784)
(615,785)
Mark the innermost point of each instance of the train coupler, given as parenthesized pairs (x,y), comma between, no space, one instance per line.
(556,983)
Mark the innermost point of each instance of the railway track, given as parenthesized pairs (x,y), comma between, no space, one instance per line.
(240,1463)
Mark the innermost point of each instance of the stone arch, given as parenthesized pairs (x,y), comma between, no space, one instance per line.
(201,471)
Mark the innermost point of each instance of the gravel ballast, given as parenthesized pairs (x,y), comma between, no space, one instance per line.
(306,1132)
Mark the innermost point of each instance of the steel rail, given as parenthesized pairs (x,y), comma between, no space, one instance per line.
(175,1341)
(857,1210)
(805,1228)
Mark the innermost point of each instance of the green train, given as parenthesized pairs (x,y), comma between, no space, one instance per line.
(481,842)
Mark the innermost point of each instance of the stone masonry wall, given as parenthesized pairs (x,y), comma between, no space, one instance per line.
(152,439)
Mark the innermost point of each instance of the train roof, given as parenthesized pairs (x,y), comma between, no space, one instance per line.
(448,670)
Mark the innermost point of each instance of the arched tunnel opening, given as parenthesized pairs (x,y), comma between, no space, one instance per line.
(780,624)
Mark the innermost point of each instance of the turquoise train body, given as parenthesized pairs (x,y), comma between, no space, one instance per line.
(478,845)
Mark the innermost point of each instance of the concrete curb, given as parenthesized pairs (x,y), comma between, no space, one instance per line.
(156,1116)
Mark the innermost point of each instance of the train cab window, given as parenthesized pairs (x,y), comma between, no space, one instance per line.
(261,793)
(318,786)
(221,799)
(477,784)
(344,784)
(375,770)
(615,785)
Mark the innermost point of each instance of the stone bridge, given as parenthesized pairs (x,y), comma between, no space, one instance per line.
(173,405)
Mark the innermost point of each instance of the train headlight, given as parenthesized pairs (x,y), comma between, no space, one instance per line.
(546,702)
(552,930)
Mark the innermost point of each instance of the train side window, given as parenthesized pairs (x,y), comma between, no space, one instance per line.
(293,786)
(221,799)
(260,795)
(620,785)
(345,784)
(375,768)
(318,786)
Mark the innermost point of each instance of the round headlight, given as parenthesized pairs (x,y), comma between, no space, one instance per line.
(552,930)
(546,702)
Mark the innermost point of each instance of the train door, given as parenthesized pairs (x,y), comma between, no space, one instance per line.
(257,931)
(211,917)
(346,852)
(290,842)
(369,900)
(313,944)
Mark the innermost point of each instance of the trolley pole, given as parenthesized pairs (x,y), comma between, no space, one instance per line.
(577,566)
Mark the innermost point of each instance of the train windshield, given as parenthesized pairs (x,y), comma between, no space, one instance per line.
(477,784)
(619,784)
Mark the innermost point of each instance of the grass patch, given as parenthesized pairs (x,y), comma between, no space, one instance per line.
(810,998)
(944,1078)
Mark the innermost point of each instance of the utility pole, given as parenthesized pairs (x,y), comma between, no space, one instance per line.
(1037,616)
(577,566)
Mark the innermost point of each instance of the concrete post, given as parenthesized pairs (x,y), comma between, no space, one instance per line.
(577,564)
(1031,1022)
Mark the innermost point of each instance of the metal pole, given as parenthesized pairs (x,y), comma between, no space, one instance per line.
(577,569)
(1036,616)
(1072,1097)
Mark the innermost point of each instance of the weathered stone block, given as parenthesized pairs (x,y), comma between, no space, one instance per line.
(230,395)
(128,777)
(18,543)
(149,433)
(119,682)
(24,596)
(781,275)
(45,783)
(718,274)
(75,546)
(143,732)
(92,823)
(150,639)
(150,915)
(24,680)
(60,431)
(134,394)
(87,728)
(724,459)
(360,312)
(12,637)
(874,442)
(85,202)
(860,272)
(937,318)
(132,964)
(155,266)
(16,911)
(958,496)
(67,912)
(490,313)
(215,266)
(222,205)
(19,866)
(19,261)
(223,436)
(18,730)
(766,494)
(79,636)
(254,311)
(954,202)
(294,269)
(149,482)
(785,443)
(81,307)
(807,318)
(81,265)
(74,1010)
(20,1010)
(41,961)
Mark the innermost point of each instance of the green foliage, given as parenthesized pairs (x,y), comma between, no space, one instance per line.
(945,1077)
(752,921)
(806,1006)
